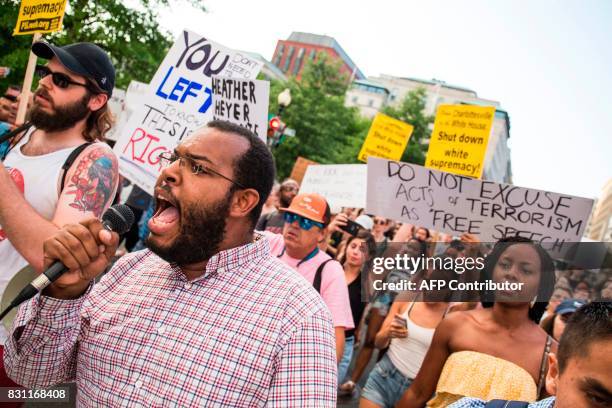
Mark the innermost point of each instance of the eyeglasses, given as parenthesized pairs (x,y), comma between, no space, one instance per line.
(305,223)
(167,158)
(380,222)
(60,80)
(289,188)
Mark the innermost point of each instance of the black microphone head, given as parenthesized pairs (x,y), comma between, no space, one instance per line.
(118,218)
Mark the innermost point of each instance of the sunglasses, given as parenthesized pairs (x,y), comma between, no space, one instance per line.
(380,222)
(60,80)
(11,98)
(305,223)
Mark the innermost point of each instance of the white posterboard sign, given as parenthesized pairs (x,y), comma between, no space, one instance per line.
(243,102)
(342,185)
(456,204)
(178,101)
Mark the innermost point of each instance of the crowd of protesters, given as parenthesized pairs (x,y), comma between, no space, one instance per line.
(439,349)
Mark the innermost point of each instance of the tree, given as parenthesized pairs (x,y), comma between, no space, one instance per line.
(326,130)
(130,34)
(412,111)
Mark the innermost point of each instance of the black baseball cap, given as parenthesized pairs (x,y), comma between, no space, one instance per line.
(86,59)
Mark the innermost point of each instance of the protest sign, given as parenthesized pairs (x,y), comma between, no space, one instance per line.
(456,204)
(299,168)
(40,16)
(387,138)
(243,102)
(178,101)
(342,185)
(459,139)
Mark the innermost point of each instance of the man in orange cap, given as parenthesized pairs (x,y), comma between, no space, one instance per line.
(305,222)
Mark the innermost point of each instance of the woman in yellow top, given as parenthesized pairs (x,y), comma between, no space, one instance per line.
(498,352)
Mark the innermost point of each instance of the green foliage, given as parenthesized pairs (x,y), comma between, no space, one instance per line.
(131,35)
(326,131)
(412,111)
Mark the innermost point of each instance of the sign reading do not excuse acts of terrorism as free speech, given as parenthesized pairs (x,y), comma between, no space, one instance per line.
(456,204)
(179,100)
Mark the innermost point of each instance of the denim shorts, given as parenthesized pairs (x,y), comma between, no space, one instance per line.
(347,356)
(385,385)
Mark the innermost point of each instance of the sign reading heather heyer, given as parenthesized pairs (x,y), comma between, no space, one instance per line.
(456,204)
(342,185)
(459,139)
(179,100)
(243,102)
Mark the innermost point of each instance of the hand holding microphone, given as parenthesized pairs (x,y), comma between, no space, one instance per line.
(83,251)
(76,254)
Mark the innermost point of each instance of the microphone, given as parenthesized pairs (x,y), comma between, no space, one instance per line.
(118,218)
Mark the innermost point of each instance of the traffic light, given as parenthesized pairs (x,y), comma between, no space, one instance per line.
(274,124)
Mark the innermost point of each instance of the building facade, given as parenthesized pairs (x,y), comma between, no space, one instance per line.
(600,226)
(291,55)
(371,95)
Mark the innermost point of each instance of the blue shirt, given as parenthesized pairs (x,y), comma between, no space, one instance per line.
(478,403)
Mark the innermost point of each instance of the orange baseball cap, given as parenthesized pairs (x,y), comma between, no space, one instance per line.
(310,205)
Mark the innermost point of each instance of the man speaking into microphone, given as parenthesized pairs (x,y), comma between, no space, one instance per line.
(204,317)
(59,170)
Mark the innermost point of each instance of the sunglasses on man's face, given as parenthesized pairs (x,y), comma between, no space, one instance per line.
(11,98)
(60,80)
(305,223)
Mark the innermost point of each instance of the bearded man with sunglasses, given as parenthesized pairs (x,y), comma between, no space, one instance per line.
(306,220)
(58,171)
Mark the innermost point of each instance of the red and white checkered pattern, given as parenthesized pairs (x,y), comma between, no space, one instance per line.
(250,332)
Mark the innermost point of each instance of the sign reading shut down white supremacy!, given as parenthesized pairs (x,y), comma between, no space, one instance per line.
(456,204)
(179,100)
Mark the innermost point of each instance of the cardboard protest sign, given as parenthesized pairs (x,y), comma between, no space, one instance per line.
(342,185)
(243,102)
(387,138)
(179,100)
(459,139)
(456,204)
(299,168)
(40,16)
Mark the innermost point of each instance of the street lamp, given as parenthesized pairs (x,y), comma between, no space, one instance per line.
(284,99)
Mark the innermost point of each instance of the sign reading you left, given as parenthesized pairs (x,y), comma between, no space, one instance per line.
(179,100)
(40,16)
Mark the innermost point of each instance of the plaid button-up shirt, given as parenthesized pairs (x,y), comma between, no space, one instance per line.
(249,332)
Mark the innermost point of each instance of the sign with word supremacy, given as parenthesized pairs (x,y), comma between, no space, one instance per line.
(40,16)
(243,102)
(342,185)
(387,138)
(456,204)
(179,100)
(459,139)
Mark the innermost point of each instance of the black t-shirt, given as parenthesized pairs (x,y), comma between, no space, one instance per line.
(273,222)
(357,307)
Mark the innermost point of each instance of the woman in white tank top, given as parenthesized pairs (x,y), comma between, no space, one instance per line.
(407,331)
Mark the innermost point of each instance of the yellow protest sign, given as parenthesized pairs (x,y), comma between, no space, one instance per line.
(387,138)
(40,16)
(459,139)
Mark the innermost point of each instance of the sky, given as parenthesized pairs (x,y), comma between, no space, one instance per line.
(549,64)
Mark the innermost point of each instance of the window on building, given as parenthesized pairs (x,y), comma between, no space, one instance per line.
(371,103)
(313,54)
(355,99)
(279,55)
(288,59)
(297,66)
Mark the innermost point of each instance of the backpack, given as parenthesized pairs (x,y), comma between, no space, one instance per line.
(316,283)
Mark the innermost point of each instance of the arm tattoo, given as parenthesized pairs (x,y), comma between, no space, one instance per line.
(93,182)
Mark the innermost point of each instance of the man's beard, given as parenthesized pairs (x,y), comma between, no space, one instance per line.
(202,230)
(62,117)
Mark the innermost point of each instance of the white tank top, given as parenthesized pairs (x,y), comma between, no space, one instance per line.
(37,177)
(407,354)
